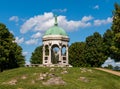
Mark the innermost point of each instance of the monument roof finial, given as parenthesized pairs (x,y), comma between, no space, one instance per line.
(55,20)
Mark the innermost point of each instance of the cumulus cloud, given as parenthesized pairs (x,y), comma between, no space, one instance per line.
(45,21)
(117,64)
(14,18)
(19,40)
(24,53)
(96,7)
(31,42)
(11,32)
(102,22)
(87,18)
(71,24)
(110,61)
(37,35)
(59,10)
(40,22)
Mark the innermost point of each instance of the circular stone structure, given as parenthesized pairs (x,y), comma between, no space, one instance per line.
(55,46)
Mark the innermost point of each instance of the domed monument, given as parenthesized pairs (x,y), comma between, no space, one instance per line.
(55,46)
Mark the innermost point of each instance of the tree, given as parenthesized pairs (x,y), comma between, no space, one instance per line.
(94,50)
(76,54)
(36,57)
(107,42)
(115,48)
(10,52)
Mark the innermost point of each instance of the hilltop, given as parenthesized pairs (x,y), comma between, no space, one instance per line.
(58,78)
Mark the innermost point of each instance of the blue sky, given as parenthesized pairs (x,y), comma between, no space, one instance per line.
(29,19)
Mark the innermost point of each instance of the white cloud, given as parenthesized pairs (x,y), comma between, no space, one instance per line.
(110,61)
(72,25)
(14,18)
(96,7)
(42,22)
(11,32)
(59,10)
(102,22)
(19,40)
(87,18)
(24,53)
(117,63)
(37,35)
(32,41)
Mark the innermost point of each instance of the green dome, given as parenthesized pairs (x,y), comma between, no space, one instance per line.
(55,30)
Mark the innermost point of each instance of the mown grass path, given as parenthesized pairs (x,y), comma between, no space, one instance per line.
(109,71)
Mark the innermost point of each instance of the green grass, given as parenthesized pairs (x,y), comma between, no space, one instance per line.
(97,79)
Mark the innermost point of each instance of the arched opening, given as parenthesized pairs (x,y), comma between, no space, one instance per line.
(63,51)
(55,54)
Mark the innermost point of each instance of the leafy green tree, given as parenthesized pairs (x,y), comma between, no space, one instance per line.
(94,50)
(76,54)
(36,57)
(10,52)
(107,42)
(115,48)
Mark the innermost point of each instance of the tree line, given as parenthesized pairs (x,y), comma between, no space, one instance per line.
(95,49)
(10,52)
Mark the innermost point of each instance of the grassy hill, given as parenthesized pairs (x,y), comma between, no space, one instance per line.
(72,78)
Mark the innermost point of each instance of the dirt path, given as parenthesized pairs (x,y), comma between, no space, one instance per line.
(109,71)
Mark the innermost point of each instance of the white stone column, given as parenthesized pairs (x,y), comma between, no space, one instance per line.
(49,55)
(67,55)
(43,54)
